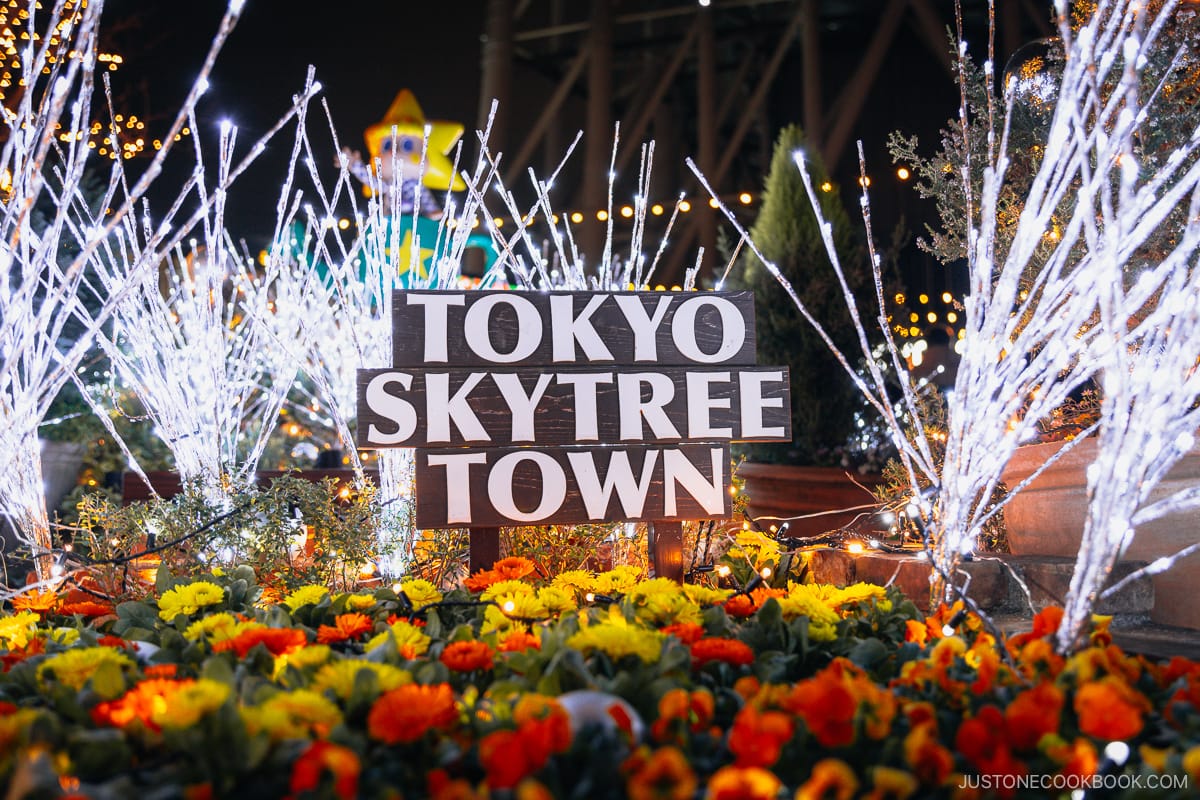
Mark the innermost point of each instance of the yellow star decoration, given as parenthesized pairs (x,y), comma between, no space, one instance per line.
(408,120)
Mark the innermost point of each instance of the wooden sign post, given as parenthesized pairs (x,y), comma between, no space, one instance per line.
(539,408)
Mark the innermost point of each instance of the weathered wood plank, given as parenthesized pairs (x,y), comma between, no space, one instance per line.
(522,328)
(466,487)
(568,406)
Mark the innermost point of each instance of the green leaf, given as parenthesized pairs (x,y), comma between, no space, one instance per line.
(868,653)
(133,613)
(163,580)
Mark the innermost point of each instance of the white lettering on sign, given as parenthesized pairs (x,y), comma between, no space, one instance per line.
(520,405)
(634,409)
(458,475)
(733,329)
(679,470)
(587,417)
(443,408)
(569,328)
(597,496)
(436,329)
(701,403)
(752,401)
(477,328)
(500,486)
(644,326)
(391,407)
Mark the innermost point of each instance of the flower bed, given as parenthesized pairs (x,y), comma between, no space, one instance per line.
(589,686)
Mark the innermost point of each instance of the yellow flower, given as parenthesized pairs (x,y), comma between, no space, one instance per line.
(411,641)
(358,602)
(420,592)
(217,627)
(67,636)
(190,703)
(310,656)
(803,600)
(616,638)
(557,599)
(704,595)
(75,667)
(854,594)
(188,599)
(15,631)
(757,546)
(522,607)
(576,580)
(293,715)
(618,580)
(339,676)
(506,588)
(305,595)
(661,601)
(12,726)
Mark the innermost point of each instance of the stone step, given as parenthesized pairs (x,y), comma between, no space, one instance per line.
(998,583)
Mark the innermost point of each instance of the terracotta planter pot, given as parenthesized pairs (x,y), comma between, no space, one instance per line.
(777,490)
(1047,517)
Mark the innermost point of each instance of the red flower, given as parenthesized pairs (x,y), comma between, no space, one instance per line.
(982,741)
(481,580)
(114,642)
(86,608)
(740,606)
(1045,623)
(513,568)
(345,626)
(686,632)
(160,671)
(826,705)
(729,651)
(320,756)
(1033,714)
(278,641)
(757,737)
(406,713)
(467,656)
(505,758)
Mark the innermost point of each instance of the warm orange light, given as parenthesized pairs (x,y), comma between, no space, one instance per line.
(712,202)
(685,206)
(626,211)
(744,198)
(854,548)
(903,173)
(656,209)
(602,215)
(577,217)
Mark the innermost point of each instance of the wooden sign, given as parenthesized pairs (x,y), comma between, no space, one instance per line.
(466,487)
(570,406)
(536,408)
(467,329)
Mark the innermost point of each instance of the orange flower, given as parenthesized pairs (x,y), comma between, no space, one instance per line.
(826,705)
(442,787)
(481,580)
(1078,758)
(115,642)
(41,602)
(740,606)
(277,641)
(1033,714)
(86,608)
(729,651)
(160,671)
(404,714)
(738,783)
(1045,623)
(513,568)
(928,759)
(694,710)
(544,726)
(757,737)
(140,703)
(467,656)
(686,632)
(345,626)
(889,783)
(1109,709)
(829,776)
(320,756)
(665,775)
(916,632)
(518,641)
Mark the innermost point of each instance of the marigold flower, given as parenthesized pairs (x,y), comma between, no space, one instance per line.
(75,667)
(86,608)
(665,775)
(360,602)
(345,626)
(411,641)
(982,740)
(742,783)
(1033,714)
(406,713)
(216,627)
(189,599)
(160,671)
(728,651)
(740,606)
(441,787)
(616,638)
(277,641)
(194,701)
(467,656)
(557,600)
(339,676)
(831,777)
(757,737)
(481,580)
(293,715)
(322,756)
(507,589)
(706,595)
(518,642)
(16,630)
(1045,623)
(305,596)
(505,759)
(513,568)
(545,728)
(575,580)
(618,580)
(37,602)
(694,709)
(420,592)
(139,703)
(1110,709)
(686,632)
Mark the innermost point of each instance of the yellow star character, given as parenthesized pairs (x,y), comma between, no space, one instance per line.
(408,120)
